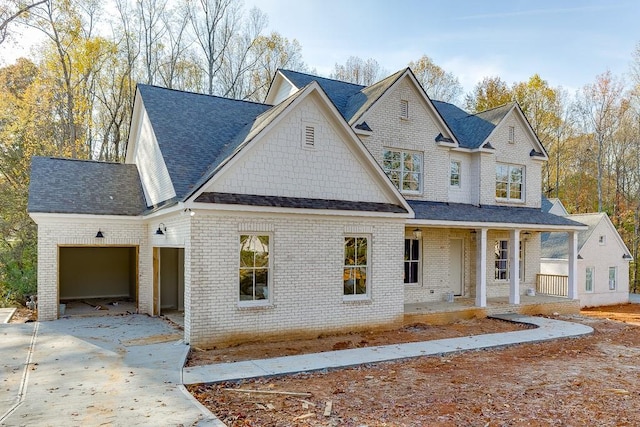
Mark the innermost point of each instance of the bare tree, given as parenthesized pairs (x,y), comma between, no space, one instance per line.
(12,10)
(358,71)
(153,29)
(436,82)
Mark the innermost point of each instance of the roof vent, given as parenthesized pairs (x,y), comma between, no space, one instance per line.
(309,136)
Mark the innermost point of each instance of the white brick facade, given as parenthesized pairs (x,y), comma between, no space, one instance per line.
(307,284)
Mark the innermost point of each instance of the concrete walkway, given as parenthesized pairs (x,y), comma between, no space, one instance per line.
(93,371)
(547,329)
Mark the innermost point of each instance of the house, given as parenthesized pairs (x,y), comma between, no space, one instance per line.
(331,207)
(603,260)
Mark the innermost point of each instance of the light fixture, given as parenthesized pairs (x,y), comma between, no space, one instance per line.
(417,233)
(99,234)
(526,235)
(189,211)
(161,229)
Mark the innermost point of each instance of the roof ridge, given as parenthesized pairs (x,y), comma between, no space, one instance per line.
(494,108)
(326,78)
(203,94)
(70,159)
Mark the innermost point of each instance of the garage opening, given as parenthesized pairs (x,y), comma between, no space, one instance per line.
(103,279)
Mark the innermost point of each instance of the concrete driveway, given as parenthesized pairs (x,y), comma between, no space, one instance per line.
(95,371)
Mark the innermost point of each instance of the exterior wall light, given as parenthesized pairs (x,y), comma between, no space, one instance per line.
(417,233)
(99,235)
(161,229)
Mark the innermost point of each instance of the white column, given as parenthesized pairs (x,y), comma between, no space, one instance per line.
(481,268)
(573,265)
(514,267)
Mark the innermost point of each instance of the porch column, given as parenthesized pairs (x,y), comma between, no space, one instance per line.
(481,268)
(514,268)
(572,292)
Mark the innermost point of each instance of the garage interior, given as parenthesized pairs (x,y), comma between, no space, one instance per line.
(171,280)
(97,280)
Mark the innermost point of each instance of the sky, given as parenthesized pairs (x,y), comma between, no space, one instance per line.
(567,42)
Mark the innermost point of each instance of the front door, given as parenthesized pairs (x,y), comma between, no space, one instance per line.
(456,266)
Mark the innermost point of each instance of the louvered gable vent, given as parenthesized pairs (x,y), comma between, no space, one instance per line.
(309,136)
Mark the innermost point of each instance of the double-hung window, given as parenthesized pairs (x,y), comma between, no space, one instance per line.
(254,267)
(502,260)
(356,266)
(588,279)
(454,176)
(411,260)
(613,278)
(404,168)
(510,182)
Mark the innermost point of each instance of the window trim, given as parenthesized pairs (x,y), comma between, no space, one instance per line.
(497,269)
(417,262)
(521,260)
(402,171)
(459,174)
(509,167)
(256,302)
(615,278)
(367,266)
(404,109)
(586,277)
(512,135)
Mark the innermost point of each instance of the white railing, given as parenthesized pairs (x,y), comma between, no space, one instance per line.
(552,284)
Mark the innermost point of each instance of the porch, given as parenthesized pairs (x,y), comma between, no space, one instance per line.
(462,308)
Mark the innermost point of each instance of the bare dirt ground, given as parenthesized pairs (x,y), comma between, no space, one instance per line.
(23,315)
(593,380)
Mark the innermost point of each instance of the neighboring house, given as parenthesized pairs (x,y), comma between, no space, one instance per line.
(603,260)
(553,206)
(327,209)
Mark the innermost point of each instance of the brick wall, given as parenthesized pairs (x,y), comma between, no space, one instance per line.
(307,286)
(56,232)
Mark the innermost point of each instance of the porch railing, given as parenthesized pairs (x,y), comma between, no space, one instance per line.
(552,284)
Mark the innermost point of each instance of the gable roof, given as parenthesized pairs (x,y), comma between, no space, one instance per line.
(471,130)
(251,133)
(79,187)
(195,131)
(555,245)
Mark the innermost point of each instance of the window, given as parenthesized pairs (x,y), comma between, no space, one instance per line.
(509,179)
(254,267)
(355,265)
(588,279)
(404,169)
(404,109)
(411,260)
(612,278)
(502,260)
(512,135)
(602,240)
(454,177)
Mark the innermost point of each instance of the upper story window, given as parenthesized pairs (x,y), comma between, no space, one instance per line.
(454,175)
(602,240)
(512,134)
(404,109)
(404,168)
(509,182)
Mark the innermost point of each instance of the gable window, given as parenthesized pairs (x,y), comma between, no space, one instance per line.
(588,279)
(613,278)
(411,260)
(404,109)
(502,260)
(509,182)
(602,240)
(454,175)
(404,168)
(254,267)
(512,134)
(356,265)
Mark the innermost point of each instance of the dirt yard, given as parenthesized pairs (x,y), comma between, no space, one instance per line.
(594,380)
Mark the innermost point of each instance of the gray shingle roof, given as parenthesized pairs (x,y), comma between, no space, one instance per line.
(471,130)
(195,131)
(84,187)
(340,93)
(297,202)
(439,211)
(555,245)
